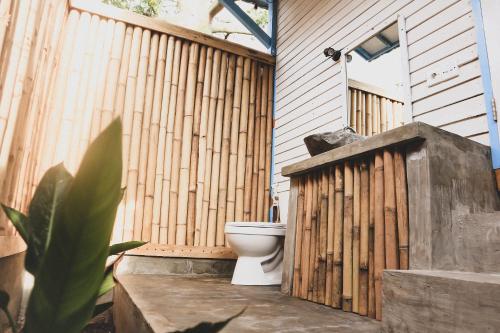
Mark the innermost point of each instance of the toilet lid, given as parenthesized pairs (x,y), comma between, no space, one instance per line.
(257,225)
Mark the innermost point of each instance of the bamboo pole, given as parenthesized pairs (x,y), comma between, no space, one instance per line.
(204,117)
(379,260)
(262,146)
(245,195)
(402,208)
(391,241)
(256,146)
(375,115)
(214,181)
(193,168)
(348,224)
(269,141)
(244,143)
(123,74)
(356,237)
(207,153)
(352,107)
(298,239)
(184,142)
(338,238)
(135,142)
(139,225)
(234,142)
(306,241)
(371,242)
(364,216)
(312,249)
(359,109)
(224,157)
(175,237)
(383,115)
(323,236)
(368,112)
(4,21)
(154,132)
(330,235)
(159,230)
(167,236)
(112,76)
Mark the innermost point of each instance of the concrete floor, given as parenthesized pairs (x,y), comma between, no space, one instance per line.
(168,303)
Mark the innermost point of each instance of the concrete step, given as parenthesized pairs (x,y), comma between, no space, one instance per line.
(440,301)
(163,303)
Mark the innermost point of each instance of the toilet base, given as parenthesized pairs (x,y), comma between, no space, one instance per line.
(249,271)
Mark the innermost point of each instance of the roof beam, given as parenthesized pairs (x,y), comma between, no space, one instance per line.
(248,22)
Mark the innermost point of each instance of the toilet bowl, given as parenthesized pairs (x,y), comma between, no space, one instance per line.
(259,246)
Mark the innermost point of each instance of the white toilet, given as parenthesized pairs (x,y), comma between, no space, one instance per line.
(259,246)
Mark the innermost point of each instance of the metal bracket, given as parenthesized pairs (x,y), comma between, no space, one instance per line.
(248,22)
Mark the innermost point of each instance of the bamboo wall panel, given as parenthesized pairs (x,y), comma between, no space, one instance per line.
(190,113)
(352,223)
(371,114)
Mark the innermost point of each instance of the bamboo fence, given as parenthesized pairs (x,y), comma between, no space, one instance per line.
(372,112)
(192,109)
(351,224)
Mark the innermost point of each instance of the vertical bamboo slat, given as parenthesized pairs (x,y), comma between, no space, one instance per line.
(246,193)
(371,242)
(364,216)
(298,238)
(224,159)
(391,242)
(193,168)
(312,245)
(330,237)
(185,143)
(323,236)
(356,237)
(347,253)
(401,208)
(338,237)
(379,235)
(306,240)
(262,147)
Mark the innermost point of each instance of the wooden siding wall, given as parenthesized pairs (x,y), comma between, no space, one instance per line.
(310,89)
(351,224)
(197,123)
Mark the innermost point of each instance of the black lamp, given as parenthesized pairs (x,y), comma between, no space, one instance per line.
(330,52)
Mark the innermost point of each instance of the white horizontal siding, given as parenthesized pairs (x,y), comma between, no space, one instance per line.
(310,89)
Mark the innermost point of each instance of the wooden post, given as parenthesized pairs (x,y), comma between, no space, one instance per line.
(338,237)
(402,208)
(379,260)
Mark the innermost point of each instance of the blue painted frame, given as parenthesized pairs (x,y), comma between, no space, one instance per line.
(487,86)
(248,22)
(273,20)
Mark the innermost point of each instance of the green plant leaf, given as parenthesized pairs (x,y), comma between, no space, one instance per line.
(71,274)
(122,247)
(100,308)
(19,220)
(206,327)
(42,212)
(107,284)
(4,305)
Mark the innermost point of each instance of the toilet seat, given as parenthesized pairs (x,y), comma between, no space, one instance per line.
(255,228)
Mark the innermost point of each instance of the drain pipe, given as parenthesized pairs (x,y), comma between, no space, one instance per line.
(491,113)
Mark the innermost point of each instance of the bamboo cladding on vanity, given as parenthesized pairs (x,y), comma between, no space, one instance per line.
(371,111)
(197,120)
(351,224)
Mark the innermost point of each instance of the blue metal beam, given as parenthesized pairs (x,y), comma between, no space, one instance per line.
(487,86)
(248,22)
(272,6)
